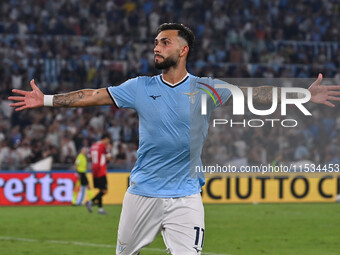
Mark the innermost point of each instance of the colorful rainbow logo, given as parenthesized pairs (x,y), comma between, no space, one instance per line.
(209,93)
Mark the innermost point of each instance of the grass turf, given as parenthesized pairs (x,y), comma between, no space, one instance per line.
(230,229)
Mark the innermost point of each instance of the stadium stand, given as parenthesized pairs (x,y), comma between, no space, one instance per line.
(68,45)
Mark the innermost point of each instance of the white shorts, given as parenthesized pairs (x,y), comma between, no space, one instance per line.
(181,221)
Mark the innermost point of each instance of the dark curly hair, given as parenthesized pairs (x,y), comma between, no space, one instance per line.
(183,32)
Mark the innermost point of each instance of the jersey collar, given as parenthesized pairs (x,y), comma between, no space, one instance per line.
(175,84)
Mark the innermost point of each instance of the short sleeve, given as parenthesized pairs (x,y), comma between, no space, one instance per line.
(224,93)
(104,150)
(124,95)
(77,162)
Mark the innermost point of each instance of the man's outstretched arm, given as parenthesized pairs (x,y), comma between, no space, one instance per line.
(262,95)
(320,94)
(80,98)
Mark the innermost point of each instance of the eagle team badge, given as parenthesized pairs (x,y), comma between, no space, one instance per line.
(191,96)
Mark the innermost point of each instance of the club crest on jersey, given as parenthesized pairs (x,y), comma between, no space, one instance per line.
(191,96)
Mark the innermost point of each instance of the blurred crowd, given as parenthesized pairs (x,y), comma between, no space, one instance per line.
(73,44)
(315,140)
(29,136)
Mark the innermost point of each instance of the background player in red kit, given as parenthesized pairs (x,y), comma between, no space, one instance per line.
(100,152)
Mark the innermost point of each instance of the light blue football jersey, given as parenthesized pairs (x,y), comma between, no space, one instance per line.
(172,132)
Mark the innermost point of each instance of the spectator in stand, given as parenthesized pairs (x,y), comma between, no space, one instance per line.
(120,159)
(70,43)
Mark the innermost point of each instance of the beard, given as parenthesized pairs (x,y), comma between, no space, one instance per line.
(166,64)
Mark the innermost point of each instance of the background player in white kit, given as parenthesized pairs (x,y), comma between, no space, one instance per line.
(163,195)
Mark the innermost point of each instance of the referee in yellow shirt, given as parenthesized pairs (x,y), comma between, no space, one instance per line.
(82,183)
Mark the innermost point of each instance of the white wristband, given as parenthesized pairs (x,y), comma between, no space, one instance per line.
(48,100)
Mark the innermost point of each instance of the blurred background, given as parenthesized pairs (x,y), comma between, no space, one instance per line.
(75,44)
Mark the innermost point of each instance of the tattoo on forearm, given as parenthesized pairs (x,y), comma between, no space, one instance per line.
(68,100)
(262,95)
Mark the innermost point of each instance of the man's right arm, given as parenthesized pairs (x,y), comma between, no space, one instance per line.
(80,98)
(83,98)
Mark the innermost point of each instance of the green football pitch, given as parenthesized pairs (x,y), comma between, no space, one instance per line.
(230,229)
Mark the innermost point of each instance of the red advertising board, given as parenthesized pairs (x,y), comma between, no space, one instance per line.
(36,188)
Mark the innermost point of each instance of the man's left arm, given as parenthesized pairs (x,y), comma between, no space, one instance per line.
(320,94)
(262,95)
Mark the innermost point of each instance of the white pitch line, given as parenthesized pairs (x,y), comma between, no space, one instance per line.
(9,238)
(96,245)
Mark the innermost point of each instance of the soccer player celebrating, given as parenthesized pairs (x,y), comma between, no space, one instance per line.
(99,155)
(164,192)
